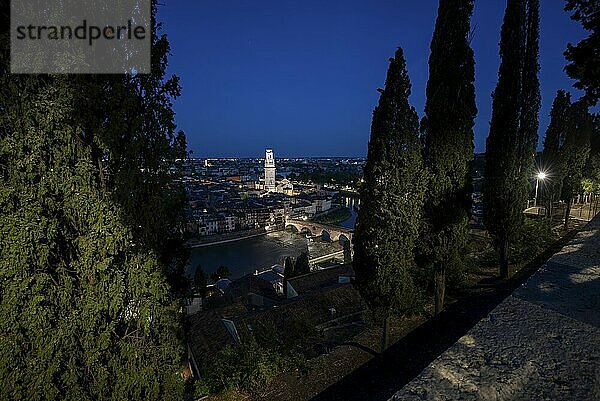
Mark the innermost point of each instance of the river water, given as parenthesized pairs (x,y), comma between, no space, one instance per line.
(351,203)
(258,253)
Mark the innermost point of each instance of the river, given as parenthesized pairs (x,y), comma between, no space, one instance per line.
(258,253)
(351,203)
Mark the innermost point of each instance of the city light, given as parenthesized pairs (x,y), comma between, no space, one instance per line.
(540,176)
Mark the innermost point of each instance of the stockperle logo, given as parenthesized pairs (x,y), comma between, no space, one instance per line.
(80,36)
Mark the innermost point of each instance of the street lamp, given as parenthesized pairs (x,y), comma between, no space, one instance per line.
(541,176)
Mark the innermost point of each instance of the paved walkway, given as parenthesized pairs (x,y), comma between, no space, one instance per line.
(541,343)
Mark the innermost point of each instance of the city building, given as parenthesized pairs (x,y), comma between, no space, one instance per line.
(269,171)
(234,195)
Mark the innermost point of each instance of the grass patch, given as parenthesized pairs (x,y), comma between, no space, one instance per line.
(335,216)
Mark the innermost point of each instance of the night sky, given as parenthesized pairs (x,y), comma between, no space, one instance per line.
(301,76)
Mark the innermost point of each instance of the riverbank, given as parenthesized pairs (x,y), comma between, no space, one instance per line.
(345,192)
(231,237)
(255,253)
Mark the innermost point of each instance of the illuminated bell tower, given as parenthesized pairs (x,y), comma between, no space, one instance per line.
(269,171)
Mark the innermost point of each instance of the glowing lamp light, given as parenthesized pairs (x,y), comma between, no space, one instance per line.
(541,175)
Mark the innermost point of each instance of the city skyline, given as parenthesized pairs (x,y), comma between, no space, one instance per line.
(246,77)
(213,227)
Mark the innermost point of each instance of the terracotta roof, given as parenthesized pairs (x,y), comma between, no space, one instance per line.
(319,279)
(313,308)
(250,283)
(233,309)
(207,335)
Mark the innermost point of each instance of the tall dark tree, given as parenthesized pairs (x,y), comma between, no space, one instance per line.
(288,267)
(391,201)
(302,265)
(450,111)
(288,272)
(593,163)
(584,57)
(347,247)
(200,281)
(87,205)
(592,169)
(574,152)
(513,134)
(551,162)
(530,91)
(221,272)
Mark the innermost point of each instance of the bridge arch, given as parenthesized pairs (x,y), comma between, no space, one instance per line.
(306,230)
(335,233)
(292,227)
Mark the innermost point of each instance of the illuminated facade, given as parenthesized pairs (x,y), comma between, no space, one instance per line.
(269,171)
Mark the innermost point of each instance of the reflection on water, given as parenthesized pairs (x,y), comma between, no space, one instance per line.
(352,203)
(248,255)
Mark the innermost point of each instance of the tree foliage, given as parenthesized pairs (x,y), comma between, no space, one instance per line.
(88,206)
(221,272)
(566,148)
(592,170)
(302,265)
(247,367)
(288,267)
(513,134)
(536,236)
(574,152)
(551,161)
(450,111)
(200,281)
(391,199)
(584,57)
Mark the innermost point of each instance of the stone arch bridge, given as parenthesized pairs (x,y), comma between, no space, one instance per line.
(336,233)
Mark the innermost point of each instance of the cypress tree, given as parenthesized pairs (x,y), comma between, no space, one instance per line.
(574,152)
(450,111)
(220,273)
(347,247)
(288,267)
(288,272)
(86,309)
(512,140)
(200,281)
(593,163)
(530,95)
(302,265)
(391,201)
(551,162)
(592,170)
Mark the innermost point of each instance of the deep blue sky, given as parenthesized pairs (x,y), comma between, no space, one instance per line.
(300,76)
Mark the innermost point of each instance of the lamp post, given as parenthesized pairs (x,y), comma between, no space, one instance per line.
(541,176)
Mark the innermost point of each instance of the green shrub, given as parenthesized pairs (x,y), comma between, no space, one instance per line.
(247,367)
(336,216)
(201,389)
(535,237)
